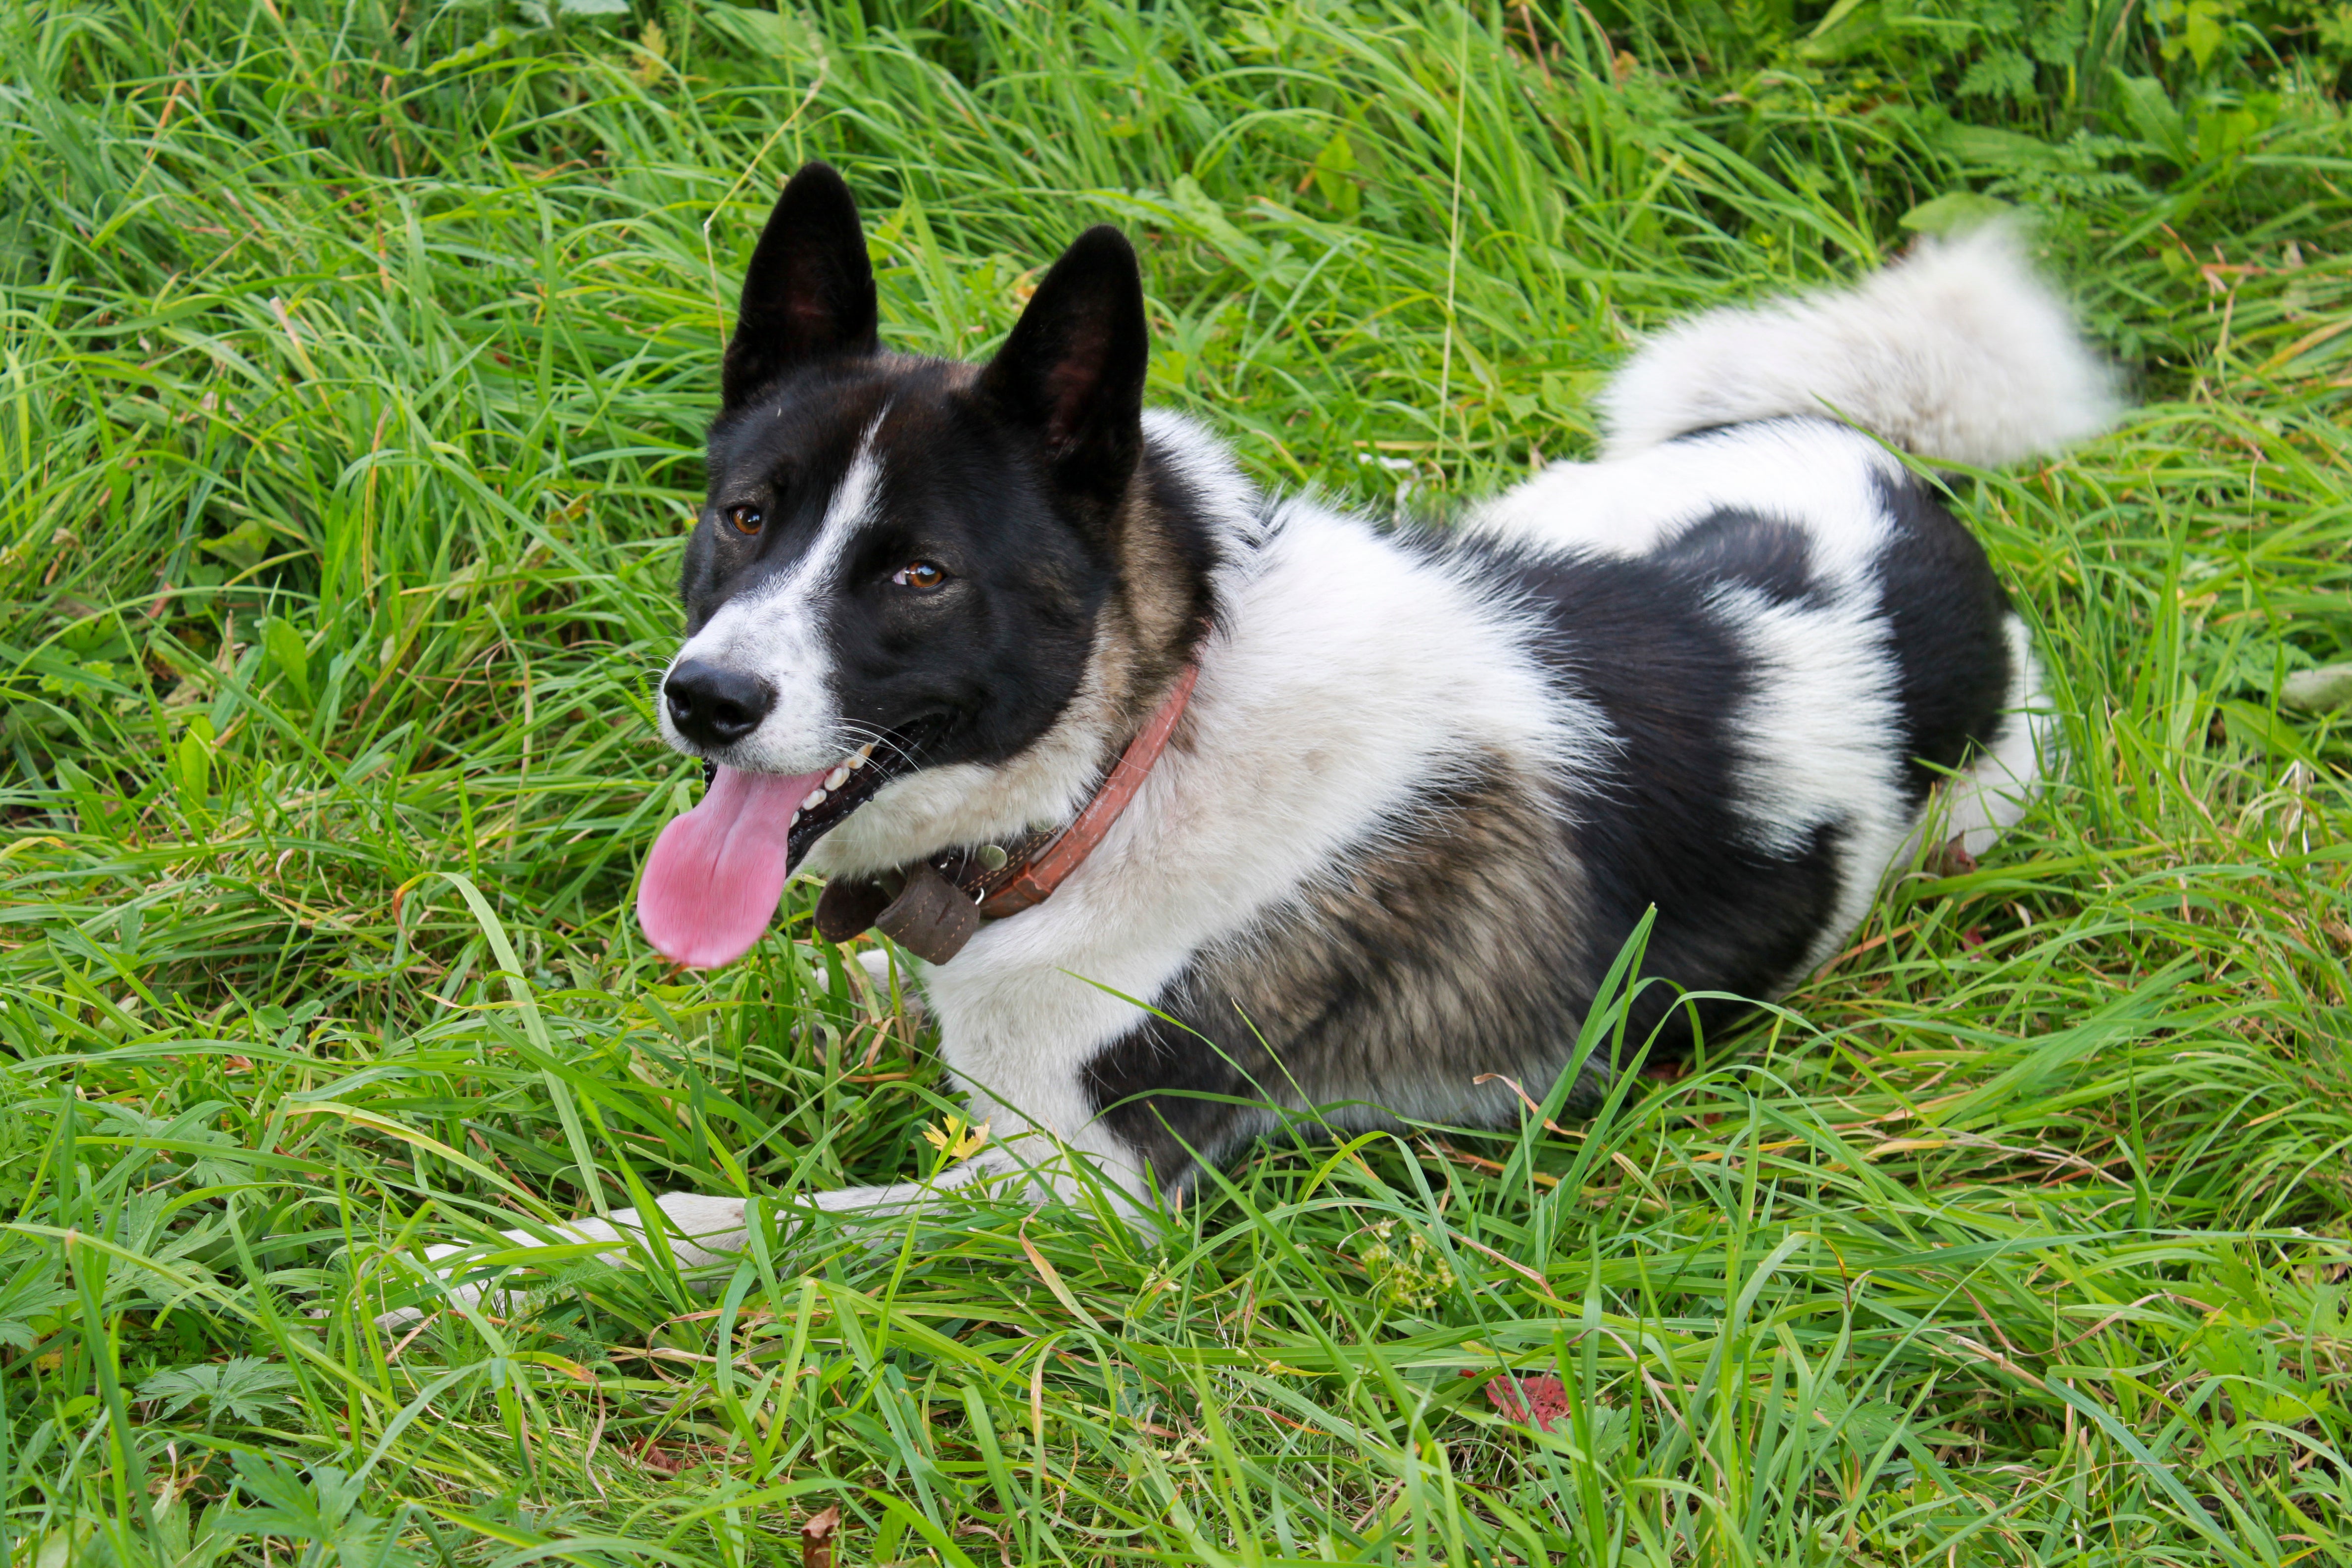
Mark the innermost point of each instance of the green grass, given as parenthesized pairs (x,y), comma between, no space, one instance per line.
(354,362)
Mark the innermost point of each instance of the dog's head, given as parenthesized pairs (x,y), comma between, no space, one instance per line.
(900,564)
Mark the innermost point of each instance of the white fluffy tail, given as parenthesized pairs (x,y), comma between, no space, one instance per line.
(1957,352)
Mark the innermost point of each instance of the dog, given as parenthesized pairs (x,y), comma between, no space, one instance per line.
(1408,791)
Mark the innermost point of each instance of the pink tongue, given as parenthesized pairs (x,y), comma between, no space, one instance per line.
(711,884)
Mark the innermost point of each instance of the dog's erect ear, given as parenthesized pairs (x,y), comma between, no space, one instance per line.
(1072,367)
(809,294)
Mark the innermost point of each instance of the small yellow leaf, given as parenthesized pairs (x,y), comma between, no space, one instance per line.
(957,1137)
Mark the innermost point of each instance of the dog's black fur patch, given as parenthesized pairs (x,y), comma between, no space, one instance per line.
(1661,821)
(1948,608)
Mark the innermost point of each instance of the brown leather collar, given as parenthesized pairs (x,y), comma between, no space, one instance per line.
(932,907)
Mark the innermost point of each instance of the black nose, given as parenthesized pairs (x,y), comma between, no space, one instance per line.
(715,707)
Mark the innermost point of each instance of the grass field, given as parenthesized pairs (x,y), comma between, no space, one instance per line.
(355,359)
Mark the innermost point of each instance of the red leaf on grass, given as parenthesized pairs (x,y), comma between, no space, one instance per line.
(1542,1400)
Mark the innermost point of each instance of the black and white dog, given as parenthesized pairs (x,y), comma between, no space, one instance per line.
(1426,784)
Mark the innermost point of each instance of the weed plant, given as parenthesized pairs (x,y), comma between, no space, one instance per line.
(354,364)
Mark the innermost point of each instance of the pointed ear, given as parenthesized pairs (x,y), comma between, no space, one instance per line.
(809,293)
(1072,367)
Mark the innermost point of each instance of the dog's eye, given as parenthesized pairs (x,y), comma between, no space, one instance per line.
(921,574)
(746,519)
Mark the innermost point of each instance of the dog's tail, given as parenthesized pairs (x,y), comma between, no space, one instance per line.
(1957,352)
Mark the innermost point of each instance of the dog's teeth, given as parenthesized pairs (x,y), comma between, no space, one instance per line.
(836,778)
(863,755)
(815,798)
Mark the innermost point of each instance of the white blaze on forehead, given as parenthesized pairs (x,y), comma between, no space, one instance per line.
(776,631)
(847,512)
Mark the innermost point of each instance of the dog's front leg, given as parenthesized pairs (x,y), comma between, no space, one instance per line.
(702,1228)
(706,1229)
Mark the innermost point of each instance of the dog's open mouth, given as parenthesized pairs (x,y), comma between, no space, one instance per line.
(714,876)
